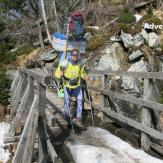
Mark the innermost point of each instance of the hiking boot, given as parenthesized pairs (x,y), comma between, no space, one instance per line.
(79,123)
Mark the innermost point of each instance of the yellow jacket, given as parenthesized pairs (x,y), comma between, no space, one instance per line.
(71,72)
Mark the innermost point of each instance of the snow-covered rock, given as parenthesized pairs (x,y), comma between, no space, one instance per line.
(4,154)
(135,55)
(129,83)
(153,39)
(113,57)
(97,145)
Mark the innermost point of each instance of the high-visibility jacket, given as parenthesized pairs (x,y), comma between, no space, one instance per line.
(71,72)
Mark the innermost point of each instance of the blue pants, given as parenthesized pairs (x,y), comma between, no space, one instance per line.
(77,93)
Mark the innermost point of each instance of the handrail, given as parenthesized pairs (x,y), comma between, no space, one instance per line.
(28,100)
(146,75)
(146,103)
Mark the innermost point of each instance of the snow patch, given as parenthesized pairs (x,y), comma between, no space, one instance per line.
(112,149)
(138,17)
(4,154)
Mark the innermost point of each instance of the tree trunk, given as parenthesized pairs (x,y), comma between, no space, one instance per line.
(45,21)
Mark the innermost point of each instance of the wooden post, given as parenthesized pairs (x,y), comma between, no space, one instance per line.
(31,95)
(146,115)
(16,89)
(15,84)
(42,133)
(15,81)
(105,87)
(27,157)
(23,106)
(22,143)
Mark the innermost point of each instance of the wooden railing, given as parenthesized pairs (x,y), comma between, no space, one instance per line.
(28,102)
(146,103)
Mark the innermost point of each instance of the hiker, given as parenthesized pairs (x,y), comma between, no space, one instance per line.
(71,76)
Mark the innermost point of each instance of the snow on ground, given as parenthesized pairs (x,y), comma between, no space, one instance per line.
(4,154)
(97,145)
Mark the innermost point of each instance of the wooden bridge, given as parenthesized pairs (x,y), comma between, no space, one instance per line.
(35,110)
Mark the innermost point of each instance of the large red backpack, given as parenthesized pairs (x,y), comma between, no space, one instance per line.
(76,26)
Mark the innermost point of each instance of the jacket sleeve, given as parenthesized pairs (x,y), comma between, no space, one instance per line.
(57,73)
(83,72)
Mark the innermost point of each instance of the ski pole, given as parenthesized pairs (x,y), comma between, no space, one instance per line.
(69,112)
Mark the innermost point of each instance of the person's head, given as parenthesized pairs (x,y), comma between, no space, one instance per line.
(74,55)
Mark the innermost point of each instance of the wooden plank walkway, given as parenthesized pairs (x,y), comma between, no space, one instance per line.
(58,131)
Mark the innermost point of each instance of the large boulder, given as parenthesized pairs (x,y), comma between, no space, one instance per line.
(113,57)
(133,84)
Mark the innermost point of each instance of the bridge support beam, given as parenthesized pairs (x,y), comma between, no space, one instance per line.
(42,130)
(146,114)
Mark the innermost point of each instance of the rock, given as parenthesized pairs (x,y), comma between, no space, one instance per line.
(153,39)
(115,38)
(134,84)
(127,39)
(135,55)
(138,40)
(48,55)
(113,57)
(88,36)
(144,34)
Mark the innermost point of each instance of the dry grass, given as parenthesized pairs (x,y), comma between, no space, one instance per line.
(23,60)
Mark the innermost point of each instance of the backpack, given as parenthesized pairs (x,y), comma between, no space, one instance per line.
(76,23)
